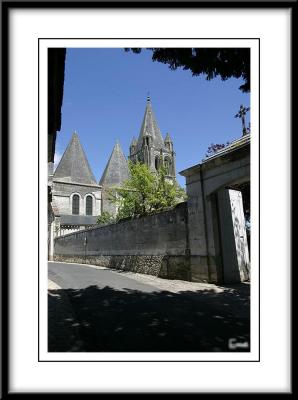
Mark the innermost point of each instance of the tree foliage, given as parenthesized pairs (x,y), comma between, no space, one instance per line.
(145,192)
(105,218)
(214,148)
(212,62)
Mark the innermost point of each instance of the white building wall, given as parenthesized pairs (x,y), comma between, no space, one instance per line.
(62,203)
(63,193)
(97,203)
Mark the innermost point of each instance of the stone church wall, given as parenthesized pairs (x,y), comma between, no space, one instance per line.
(62,192)
(155,244)
(107,205)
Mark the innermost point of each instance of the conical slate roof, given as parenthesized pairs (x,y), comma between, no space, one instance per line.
(74,166)
(150,127)
(116,171)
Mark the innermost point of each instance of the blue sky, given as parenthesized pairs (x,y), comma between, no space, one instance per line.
(105,93)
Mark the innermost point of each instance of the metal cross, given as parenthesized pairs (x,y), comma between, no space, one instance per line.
(241,114)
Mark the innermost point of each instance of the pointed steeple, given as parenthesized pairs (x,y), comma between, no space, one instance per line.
(116,171)
(133,141)
(74,166)
(150,128)
(168,138)
(168,143)
(133,146)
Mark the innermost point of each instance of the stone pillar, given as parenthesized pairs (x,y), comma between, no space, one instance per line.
(197,231)
(233,241)
(240,233)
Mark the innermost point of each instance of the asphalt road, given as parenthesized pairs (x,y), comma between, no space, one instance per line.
(71,276)
(104,311)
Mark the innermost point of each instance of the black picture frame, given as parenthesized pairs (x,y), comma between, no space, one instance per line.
(6,8)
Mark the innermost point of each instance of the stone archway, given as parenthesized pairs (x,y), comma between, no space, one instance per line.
(218,246)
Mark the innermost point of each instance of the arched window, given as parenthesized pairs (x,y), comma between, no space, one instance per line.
(76,204)
(89,205)
(156,163)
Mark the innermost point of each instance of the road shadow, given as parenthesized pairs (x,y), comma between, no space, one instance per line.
(109,320)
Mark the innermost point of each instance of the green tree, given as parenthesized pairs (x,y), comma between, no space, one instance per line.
(212,62)
(105,218)
(145,192)
(167,194)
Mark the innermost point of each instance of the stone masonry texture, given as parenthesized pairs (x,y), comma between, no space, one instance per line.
(154,244)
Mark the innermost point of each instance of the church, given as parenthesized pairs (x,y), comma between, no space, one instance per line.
(78,200)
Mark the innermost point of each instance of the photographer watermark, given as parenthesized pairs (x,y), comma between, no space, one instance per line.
(236,344)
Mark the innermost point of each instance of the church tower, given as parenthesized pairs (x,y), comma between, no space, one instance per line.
(150,148)
(76,199)
(116,172)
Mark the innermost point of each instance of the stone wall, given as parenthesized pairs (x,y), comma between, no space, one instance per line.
(155,244)
(211,227)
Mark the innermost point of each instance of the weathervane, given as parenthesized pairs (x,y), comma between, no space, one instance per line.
(241,114)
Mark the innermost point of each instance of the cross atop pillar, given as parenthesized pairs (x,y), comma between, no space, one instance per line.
(241,114)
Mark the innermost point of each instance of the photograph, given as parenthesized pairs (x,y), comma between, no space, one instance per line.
(149,200)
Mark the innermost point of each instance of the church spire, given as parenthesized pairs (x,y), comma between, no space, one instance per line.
(74,166)
(151,148)
(133,145)
(168,142)
(133,141)
(116,171)
(168,138)
(150,128)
